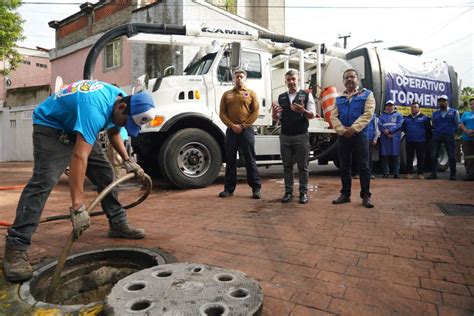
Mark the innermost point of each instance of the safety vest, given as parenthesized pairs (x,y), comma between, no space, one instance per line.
(446,125)
(293,123)
(350,109)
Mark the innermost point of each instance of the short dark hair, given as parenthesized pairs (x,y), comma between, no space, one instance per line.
(415,103)
(471,99)
(127,100)
(350,69)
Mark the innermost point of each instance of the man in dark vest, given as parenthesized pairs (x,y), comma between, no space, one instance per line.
(294,109)
(353,111)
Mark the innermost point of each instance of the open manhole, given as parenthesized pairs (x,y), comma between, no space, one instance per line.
(88,277)
(456,209)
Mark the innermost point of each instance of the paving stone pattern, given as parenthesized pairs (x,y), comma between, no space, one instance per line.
(404,257)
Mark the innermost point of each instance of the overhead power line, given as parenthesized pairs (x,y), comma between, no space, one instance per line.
(283,6)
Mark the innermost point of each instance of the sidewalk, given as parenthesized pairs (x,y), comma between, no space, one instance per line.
(404,257)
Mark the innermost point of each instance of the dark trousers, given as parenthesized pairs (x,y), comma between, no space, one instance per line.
(246,141)
(295,148)
(358,147)
(354,171)
(51,158)
(418,148)
(394,161)
(468,150)
(448,141)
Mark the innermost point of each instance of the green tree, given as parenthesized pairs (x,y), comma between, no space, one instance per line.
(11,31)
(467,93)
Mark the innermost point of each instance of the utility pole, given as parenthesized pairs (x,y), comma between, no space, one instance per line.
(345,38)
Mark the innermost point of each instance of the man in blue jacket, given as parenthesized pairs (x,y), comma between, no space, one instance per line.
(445,125)
(65,128)
(390,125)
(417,128)
(351,115)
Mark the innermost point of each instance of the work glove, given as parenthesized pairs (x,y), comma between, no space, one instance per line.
(80,220)
(132,166)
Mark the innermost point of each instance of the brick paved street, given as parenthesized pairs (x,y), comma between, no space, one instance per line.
(404,257)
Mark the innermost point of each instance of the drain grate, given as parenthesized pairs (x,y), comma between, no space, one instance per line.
(456,209)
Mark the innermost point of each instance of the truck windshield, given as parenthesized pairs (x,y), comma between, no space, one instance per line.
(200,66)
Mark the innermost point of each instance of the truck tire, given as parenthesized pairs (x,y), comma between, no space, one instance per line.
(443,160)
(190,158)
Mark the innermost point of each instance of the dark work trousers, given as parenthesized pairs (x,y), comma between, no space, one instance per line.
(448,141)
(295,148)
(419,149)
(468,150)
(394,161)
(246,141)
(354,171)
(358,147)
(51,157)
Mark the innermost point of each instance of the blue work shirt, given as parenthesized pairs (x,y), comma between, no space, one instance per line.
(467,120)
(83,107)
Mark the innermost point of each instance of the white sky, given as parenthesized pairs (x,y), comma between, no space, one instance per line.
(442,28)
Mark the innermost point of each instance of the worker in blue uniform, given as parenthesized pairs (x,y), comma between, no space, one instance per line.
(353,111)
(65,130)
(390,125)
(417,128)
(445,124)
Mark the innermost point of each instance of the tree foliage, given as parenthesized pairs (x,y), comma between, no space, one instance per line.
(11,32)
(467,93)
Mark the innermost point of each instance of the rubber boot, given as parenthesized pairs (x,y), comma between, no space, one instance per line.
(126,231)
(16,266)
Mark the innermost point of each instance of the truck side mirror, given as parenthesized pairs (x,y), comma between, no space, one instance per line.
(235,55)
(169,71)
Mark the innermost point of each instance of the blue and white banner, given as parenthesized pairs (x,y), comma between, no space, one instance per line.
(413,79)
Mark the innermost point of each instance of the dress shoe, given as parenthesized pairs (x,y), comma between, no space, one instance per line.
(421,177)
(287,197)
(409,176)
(256,194)
(342,199)
(468,178)
(367,202)
(452,177)
(373,177)
(432,176)
(385,176)
(396,176)
(225,194)
(303,198)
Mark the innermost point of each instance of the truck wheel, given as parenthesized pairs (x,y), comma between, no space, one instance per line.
(190,158)
(443,159)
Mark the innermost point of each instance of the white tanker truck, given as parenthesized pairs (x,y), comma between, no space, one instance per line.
(185,142)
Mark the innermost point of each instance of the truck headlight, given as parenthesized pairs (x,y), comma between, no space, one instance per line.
(157,121)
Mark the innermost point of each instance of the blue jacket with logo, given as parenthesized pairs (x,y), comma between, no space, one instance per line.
(350,109)
(417,128)
(390,146)
(447,125)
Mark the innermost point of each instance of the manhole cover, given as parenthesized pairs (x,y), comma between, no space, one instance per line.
(456,209)
(182,289)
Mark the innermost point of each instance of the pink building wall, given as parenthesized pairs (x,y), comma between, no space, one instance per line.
(71,67)
(28,75)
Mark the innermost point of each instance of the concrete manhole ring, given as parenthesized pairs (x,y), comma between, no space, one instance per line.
(185,289)
(86,280)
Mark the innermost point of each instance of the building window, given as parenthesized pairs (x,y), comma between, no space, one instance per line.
(113,54)
(41,65)
(26,62)
(12,123)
